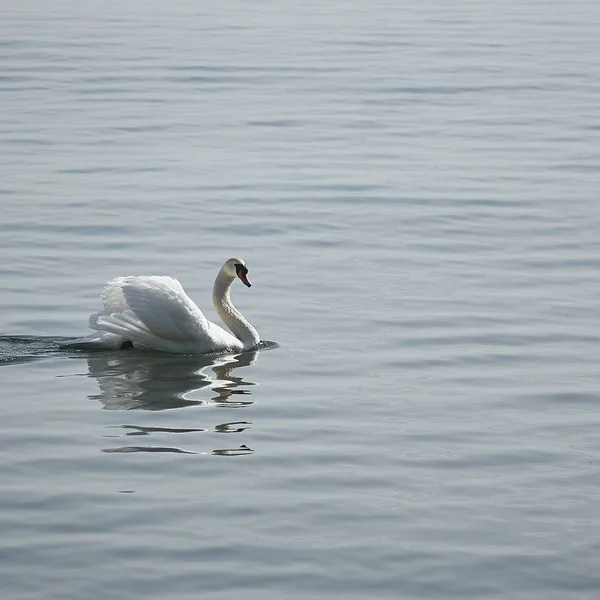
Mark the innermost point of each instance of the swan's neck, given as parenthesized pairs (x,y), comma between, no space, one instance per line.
(230,315)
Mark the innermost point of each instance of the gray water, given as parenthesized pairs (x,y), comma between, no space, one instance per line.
(414,187)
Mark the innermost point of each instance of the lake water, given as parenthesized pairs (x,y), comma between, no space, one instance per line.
(414,187)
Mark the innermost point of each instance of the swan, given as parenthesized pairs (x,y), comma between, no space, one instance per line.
(154,312)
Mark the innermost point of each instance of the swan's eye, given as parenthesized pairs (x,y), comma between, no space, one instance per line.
(241,269)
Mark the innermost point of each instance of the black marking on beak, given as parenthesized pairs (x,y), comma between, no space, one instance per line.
(240,269)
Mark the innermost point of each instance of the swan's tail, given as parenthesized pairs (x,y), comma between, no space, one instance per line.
(125,325)
(99,340)
(112,331)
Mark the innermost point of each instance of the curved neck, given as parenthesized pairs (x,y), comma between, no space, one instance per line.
(230,315)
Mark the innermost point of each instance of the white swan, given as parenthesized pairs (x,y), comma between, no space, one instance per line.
(154,312)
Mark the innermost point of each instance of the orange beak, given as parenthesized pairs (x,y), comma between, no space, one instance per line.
(244,279)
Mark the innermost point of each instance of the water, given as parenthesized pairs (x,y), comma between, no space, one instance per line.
(414,189)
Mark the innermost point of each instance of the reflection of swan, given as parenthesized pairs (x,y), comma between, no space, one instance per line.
(154,312)
(134,380)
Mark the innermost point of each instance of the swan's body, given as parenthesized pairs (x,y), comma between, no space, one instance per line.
(154,312)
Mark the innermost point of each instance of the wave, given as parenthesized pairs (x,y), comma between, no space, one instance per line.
(16,349)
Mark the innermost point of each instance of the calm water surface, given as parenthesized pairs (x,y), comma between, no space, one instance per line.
(415,190)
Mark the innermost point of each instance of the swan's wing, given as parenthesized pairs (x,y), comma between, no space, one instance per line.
(162,305)
(112,297)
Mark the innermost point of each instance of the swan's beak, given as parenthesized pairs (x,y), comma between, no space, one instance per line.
(244,279)
(242,272)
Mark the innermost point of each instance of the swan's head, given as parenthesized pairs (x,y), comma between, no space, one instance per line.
(236,267)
